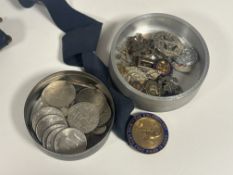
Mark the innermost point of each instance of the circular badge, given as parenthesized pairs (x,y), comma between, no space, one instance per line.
(147,133)
(163,67)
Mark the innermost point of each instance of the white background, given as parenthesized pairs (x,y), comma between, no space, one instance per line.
(201,133)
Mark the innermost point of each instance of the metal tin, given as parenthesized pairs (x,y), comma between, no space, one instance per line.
(188,35)
(76,77)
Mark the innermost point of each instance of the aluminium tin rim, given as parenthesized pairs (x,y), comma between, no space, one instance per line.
(149,97)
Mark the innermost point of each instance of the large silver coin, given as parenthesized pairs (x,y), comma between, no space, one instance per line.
(185,61)
(51,138)
(59,94)
(168,43)
(49,130)
(188,57)
(105,116)
(93,96)
(84,117)
(36,117)
(100,131)
(46,122)
(70,141)
(38,105)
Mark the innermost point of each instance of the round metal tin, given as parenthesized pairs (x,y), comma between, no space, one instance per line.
(73,76)
(190,84)
(151,139)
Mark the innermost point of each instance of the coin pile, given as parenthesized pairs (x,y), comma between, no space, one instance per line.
(148,62)
(66,114)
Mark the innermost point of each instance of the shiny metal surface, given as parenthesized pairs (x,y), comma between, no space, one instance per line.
(84,117)
(84,78)
(188,35)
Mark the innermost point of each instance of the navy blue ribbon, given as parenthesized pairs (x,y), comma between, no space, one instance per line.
(4,39)
(79,45)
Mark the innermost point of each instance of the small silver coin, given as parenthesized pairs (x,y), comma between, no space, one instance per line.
(70,141)
(38,105)
(84,117)
(93,96)
(44,111)
(49,130)
(46,122)
(51,138)
(169,44)
(59,94)
(100,131)
(105,116)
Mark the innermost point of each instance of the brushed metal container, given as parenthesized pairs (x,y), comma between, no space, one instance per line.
(188,35)
(79,77)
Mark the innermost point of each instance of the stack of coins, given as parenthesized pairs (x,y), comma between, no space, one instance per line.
(148,62)
(67,113)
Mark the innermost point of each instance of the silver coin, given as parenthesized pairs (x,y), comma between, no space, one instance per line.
(84,117)
(65,111)
(105,116)
(38,105)
(46,122)
(44,111)
(188,57)
(49,130)
(70,141)
(168,43)
(51,138)
(59,94)
(93,96)
(100,131)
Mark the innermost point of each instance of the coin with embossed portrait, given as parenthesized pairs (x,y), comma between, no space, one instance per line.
(84,117)
(59,94)
(70,141)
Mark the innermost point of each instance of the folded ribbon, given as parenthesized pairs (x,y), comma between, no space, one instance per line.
(79,45)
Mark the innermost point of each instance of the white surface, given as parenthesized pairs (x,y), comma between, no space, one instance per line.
(201,133)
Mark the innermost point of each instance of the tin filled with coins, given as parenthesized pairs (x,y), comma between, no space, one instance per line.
(69,114)
(159,61)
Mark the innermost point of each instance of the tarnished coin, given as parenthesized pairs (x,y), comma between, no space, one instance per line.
(100,131)
(169,86)
(38,105)
(163,67)
(93,96)
(44,111)
(168,43)
(105,116)
(46,122)
(70,141)
(135,74)
(151,73)
(51,138)
(49,130)
(147,133)
(185,61)
(84,117)
(137,85)
(152,88)
(59,94)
